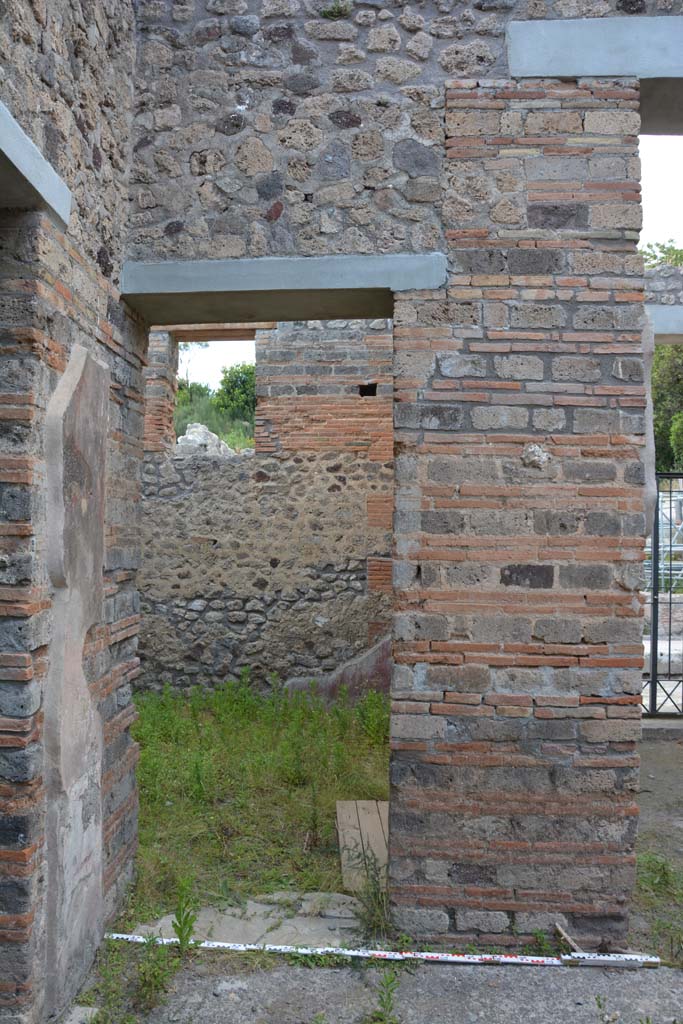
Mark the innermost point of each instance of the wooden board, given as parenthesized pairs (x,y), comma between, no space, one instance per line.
(363,830)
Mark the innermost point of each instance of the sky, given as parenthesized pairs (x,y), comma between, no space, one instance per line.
(662,160)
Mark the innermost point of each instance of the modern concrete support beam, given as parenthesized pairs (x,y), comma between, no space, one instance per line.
(667,323)
(276,288)
(642,47)
(27,180)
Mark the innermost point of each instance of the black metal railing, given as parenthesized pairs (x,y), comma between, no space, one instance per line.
(663,682)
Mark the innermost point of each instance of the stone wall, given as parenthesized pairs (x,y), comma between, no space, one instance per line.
(280,559)
(65,76)
(664,285)
(66,775)
(266,127)
(259,561)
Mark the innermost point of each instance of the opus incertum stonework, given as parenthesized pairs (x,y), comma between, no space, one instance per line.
(469,171)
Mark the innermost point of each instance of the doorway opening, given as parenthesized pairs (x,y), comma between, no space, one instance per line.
(662,246)
(265,645)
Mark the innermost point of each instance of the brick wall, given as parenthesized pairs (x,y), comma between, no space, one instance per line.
(519,526)
(161,384)
(309,378)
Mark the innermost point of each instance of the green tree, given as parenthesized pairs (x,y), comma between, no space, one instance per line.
(667,375)
(236,395)
(667,400)
(190,392)
(658,254)
(676,440)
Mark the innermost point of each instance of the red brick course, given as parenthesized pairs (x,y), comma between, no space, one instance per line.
(520,532)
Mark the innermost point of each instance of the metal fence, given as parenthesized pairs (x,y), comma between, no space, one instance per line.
(663,682)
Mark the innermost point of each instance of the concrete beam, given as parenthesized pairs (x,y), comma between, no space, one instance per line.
(667,323)
(276,288)
(639,47)
(27,180)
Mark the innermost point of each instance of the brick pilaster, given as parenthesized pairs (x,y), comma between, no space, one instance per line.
(519,526)
(161,384)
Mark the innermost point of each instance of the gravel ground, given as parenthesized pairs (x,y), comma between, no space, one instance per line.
(430,995)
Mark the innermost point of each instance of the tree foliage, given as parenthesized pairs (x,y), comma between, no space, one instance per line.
(659,254)
(232,419)
(236,395)
(676,440)
(667,400)
(190,392)
(667,376)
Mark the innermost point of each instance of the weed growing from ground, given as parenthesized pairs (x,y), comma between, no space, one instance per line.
(238,789)
(109,992)
(155,970)
(384,1014)
(668,935)
(336,10)
(657,877)
(543,945)
(129,979)
(374,914)
(319,960)
(604,1015)
(185,918)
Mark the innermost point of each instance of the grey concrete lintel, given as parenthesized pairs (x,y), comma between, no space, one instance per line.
(667,323)
(276,288)
(27,180)
(639,47)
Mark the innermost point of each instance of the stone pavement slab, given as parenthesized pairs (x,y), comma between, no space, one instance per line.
(431,994)
(289,919)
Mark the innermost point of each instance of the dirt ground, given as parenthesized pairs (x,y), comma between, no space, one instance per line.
(657,914)
(661,798)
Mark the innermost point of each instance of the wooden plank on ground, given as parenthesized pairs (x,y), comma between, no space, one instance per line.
(372,835)
(362,826)
(350,845)
(383,807)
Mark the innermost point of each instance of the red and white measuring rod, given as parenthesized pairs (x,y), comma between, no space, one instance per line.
(631,960)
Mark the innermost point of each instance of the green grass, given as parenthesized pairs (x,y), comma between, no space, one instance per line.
(659,896)
(238,791)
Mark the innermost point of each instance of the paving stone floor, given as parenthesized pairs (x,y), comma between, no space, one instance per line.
(283,919)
